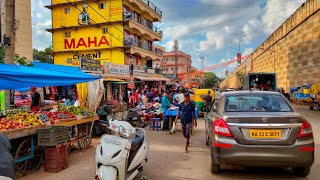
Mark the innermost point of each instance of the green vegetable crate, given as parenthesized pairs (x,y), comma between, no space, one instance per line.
(53,135)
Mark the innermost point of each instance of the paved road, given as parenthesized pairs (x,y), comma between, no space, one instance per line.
(168,161)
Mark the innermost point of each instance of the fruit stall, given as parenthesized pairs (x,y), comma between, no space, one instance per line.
(28,133)
(44,135)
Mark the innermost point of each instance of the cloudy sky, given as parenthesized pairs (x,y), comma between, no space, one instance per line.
(209,28)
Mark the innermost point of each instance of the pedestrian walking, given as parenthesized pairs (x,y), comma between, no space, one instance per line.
(165,104)
(187,110)
(207,102)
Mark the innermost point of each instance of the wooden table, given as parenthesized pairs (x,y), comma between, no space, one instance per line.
(72,122)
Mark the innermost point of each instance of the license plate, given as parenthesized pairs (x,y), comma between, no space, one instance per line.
(254,133)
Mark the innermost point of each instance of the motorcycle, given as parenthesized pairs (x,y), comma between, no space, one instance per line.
(123,155)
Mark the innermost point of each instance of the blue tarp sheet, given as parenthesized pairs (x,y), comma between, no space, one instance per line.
(310,85)
(40,75)
(295,89)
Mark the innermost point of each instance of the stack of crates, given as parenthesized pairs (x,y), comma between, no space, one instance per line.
(55,147)
(53,135)
(56,158)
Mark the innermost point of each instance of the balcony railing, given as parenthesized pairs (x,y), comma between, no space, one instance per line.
(152,6)
(128,16)
(128,42)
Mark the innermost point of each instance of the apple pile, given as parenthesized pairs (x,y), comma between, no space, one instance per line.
(6,124)
(56,116)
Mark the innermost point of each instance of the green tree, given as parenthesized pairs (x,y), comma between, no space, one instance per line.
(22,60)
(211,80)
(2,55)
(43,55)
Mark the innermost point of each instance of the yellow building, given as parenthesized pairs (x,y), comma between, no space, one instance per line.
(113,31)
(140,33)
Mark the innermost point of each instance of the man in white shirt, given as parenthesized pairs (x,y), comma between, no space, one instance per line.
(180,97)
(177,85)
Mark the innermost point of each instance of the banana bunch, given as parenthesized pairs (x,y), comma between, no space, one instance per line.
(13,111)
(75,110)
(26,119)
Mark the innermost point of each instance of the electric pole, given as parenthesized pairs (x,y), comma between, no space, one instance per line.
(202,66)
(176,49)
(10,31)
(10,49)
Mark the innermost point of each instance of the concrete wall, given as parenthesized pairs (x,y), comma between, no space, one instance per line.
(23,29)
(296,44)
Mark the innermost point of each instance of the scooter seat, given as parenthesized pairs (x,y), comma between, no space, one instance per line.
(137,141)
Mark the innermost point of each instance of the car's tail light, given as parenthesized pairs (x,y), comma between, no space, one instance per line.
(306,130)
(220,127)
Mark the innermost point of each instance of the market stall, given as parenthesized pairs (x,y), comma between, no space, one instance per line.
(21,126)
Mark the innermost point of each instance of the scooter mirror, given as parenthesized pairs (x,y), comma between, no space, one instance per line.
(143,125)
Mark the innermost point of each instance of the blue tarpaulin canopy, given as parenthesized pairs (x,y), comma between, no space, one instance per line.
(40,75)
(295,89)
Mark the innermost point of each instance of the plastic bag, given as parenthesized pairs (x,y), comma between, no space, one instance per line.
(77,103)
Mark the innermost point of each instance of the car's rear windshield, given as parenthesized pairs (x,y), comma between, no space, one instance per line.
(256,103)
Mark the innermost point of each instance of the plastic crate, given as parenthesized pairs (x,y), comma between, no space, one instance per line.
(53,135)
(56,158)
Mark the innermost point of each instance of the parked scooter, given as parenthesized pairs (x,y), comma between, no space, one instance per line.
(123,155)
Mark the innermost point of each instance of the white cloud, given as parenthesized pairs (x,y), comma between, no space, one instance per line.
(39,15)
(247,51)
(213,40)
(169,45)
(276,8)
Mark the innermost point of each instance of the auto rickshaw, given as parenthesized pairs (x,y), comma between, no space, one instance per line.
(199,94)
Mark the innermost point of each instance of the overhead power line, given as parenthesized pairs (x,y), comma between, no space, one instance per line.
(104,17)
(94,21)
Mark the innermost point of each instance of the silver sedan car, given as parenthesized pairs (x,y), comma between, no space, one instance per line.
(258,128)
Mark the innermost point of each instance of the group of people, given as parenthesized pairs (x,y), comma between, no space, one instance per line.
(144,96)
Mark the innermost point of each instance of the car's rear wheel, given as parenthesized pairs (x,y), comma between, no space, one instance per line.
(207,138)
(301,171)
(215,169)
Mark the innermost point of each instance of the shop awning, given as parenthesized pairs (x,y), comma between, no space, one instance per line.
(114,76)
(143,78)
(16,76)
(113,80)
(162,79)
(126,82)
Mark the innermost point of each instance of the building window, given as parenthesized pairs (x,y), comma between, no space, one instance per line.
(69,60)
(67,34)
(102,5)
(104,30)
(172,69)
(171,59)
(67,10)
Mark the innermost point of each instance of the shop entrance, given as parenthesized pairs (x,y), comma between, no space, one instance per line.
(149,64)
